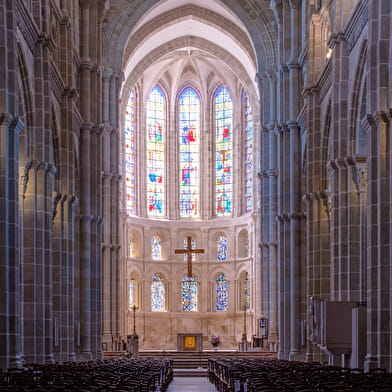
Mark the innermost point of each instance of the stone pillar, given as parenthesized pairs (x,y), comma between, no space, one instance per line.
(379,266)
(269,189)
(10,127)
(36,263)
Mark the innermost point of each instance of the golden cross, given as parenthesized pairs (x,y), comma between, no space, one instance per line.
(189,252)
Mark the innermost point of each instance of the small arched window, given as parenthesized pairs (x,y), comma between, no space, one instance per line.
(157,293)
(222,293)
(189,294)
(221,244)
(156,248)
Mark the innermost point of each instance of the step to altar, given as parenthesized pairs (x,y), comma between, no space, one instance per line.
(195,363)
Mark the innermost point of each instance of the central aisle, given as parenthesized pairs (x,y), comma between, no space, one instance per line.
(191,384)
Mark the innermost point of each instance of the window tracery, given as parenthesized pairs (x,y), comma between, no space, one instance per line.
(223,111)
(155,134)
(189,141)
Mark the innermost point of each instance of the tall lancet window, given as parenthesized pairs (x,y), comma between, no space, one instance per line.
(221,245)
(130,153)
(224,152)
(248,153)
(156,248)
(157,293)
(222,293)
(189,112)
(155,134)
(189,294)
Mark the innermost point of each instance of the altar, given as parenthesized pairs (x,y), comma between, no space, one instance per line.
(190,342)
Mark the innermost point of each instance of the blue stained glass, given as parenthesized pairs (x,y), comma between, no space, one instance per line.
(157,293)
(189,294)
(189,125)
(222,289)
(132,289)
(130,153)
(155,134)
(156,248)
(224,149)
(248,153)
(221,248)
(193,246)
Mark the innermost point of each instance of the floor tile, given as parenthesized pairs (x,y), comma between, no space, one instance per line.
(191,384)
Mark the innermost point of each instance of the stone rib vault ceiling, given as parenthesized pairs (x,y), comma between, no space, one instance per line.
(152,30)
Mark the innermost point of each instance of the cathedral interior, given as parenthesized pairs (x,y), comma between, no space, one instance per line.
(208,167)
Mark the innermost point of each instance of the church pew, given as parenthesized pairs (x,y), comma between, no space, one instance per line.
(123,375)
(265,375)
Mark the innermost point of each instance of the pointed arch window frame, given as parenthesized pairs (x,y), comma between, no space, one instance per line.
(248,138)
(189,153)
(223,120)
(130,140)
(155,136)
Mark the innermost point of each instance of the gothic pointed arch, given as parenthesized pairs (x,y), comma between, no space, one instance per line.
(223,127)
(155,146)
(189,154)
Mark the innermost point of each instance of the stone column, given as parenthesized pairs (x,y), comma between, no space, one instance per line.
(10,127)
(37,263)
(295,174)
(379,266)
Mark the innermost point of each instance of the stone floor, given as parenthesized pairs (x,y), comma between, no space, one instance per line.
(191,384)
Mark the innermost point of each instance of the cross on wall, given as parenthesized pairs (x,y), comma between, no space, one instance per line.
(189,252)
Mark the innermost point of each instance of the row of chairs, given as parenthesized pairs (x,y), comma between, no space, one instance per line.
(121,375)
(271,375)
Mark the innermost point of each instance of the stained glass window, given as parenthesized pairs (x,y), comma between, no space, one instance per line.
(156,248)
(130,153)
(155,120)
(221,244)
(193,246)
(248,153)
(222,289)
(157,293)
(189,111)
(132,292)
(189,294)
(224,150)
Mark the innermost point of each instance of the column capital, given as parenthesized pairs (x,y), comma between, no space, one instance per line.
(12,122)
(379,117)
